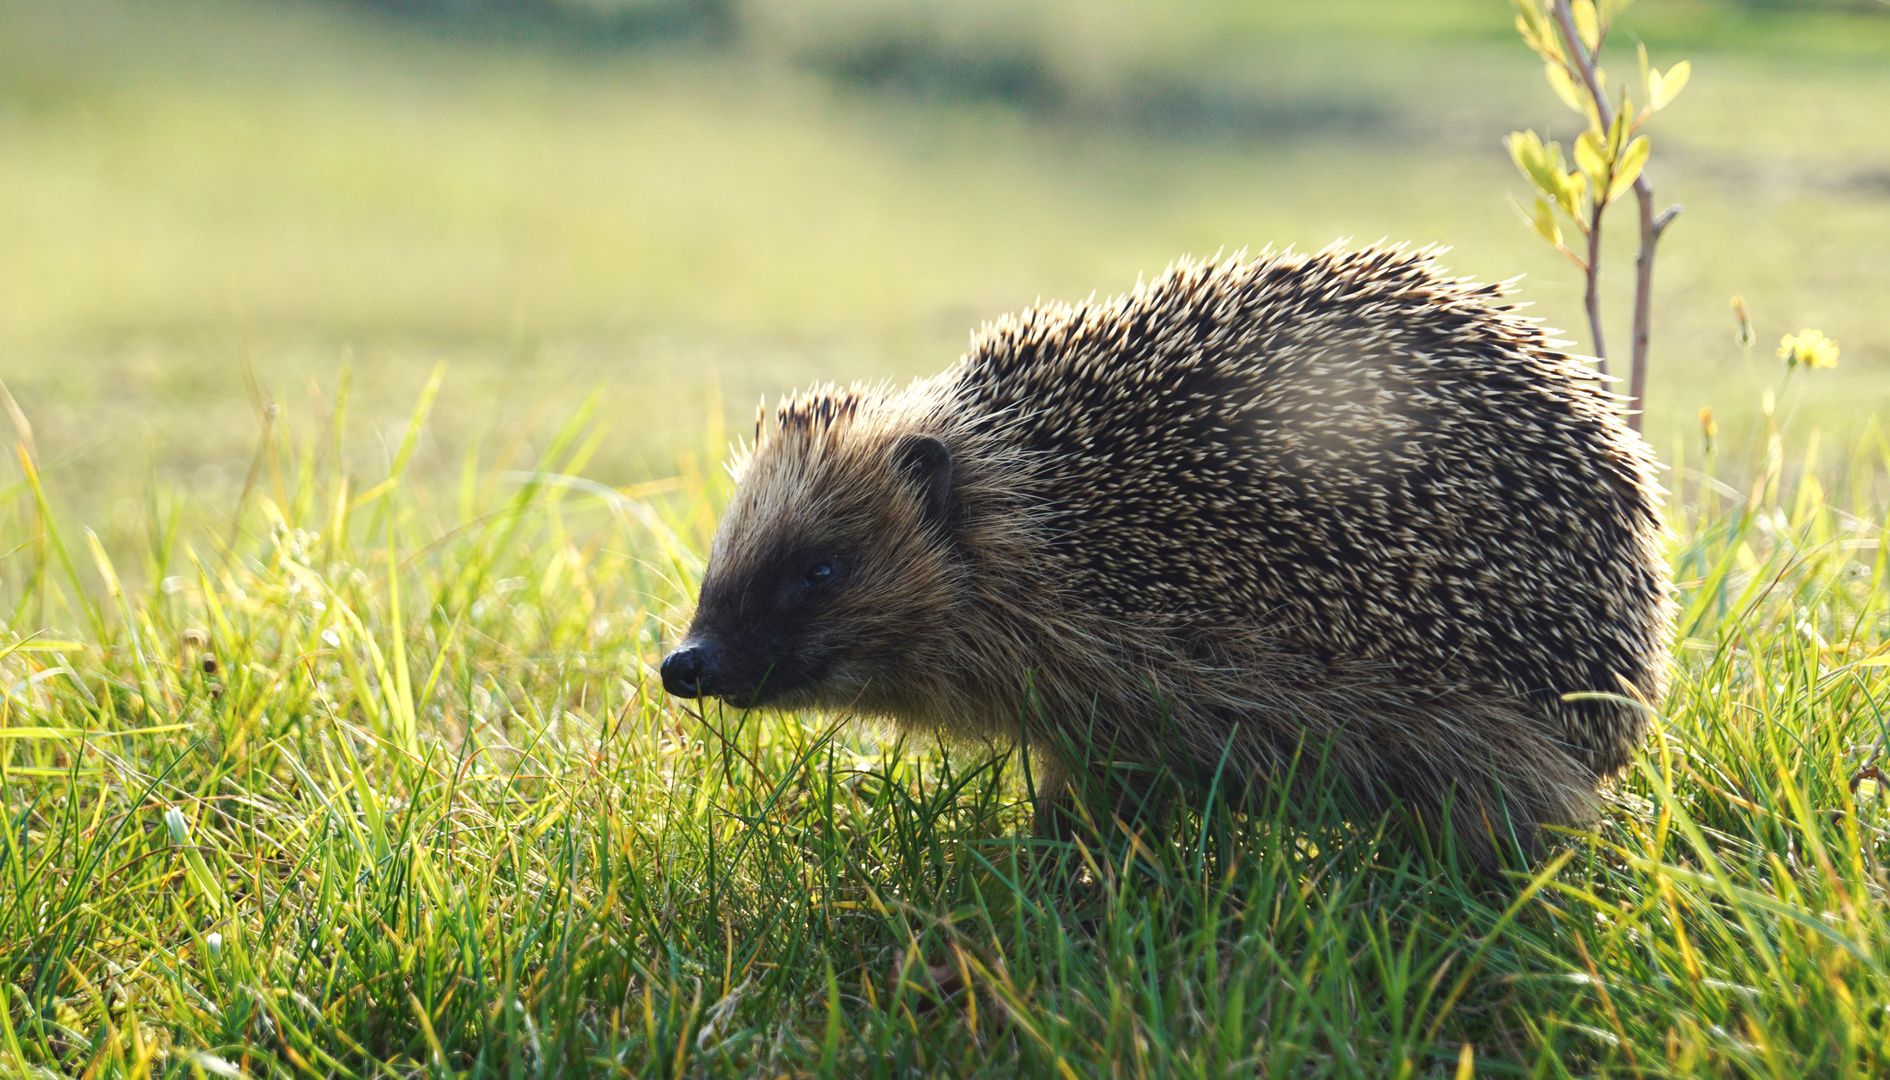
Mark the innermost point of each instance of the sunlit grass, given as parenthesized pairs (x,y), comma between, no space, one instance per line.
(338,752)
(380,779)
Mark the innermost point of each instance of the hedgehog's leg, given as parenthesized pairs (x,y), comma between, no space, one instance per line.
(1498,800)
(1491,826)
(1085,786)
(1128,798)
(1055,815)
(1140,797)
(1488,772)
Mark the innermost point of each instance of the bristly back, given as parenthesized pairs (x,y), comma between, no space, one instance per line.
(1372,460)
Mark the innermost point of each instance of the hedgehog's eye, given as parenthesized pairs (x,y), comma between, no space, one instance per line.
(818,574)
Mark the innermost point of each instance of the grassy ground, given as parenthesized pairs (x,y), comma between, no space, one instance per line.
(329,743)
(380,783)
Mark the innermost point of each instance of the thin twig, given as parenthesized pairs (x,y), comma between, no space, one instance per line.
(1592,298)
(1651,227)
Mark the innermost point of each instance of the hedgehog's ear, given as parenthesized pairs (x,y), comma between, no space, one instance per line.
(926,462)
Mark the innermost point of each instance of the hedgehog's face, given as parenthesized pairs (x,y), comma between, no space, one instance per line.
(827,576)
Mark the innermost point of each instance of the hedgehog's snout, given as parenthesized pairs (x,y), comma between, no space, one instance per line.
(689,670)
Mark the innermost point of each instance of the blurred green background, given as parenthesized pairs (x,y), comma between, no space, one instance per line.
(687,202)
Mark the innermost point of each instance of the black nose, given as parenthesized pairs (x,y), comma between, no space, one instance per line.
(686,669)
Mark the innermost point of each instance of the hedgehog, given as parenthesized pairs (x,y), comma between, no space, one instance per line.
(1259,520)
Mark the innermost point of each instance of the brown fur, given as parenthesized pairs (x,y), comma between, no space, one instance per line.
(1335,506)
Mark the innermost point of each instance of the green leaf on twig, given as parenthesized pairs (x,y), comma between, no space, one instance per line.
(1628,167)
(1565,88)
(1591,157)
(1587,23)
(1544,221)
(1544,167)
(1537,33)
(1662,89)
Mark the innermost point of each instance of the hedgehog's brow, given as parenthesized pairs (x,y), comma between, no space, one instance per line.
(781,558)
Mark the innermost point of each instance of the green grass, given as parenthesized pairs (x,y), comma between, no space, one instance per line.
(329,742)
(428,812)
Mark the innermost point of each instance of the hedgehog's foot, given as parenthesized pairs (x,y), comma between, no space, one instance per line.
(1057,816)
(1496,813)
(1491,830)
(1125,798)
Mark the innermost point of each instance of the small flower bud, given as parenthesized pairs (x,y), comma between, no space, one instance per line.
(1744,336)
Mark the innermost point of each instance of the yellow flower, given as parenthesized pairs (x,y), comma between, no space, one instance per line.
(1808,347)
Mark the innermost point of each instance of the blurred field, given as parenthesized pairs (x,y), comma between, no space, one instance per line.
(841,192)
